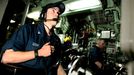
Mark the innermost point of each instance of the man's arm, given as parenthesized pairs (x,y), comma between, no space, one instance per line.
(11,56)
(61,71)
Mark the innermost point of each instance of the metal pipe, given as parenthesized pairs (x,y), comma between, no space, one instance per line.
(25,12)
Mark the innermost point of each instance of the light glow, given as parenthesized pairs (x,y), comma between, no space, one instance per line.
(80,5)
(12,21)
(35,15)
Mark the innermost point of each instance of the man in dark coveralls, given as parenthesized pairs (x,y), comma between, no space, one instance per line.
(35,49)
(97,58)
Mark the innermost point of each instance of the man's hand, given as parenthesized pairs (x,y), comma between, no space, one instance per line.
(99,65)
(46,50)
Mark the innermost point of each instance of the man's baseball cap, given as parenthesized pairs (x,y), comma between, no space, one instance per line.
(60,5)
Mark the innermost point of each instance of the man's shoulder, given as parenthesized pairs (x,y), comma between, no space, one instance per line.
(93,49)
(29,26)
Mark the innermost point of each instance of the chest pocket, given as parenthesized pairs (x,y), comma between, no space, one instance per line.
(34,40)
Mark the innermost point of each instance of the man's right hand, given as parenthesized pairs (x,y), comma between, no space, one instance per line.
(45,51)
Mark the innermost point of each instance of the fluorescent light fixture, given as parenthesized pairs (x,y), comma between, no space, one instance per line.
(80,5)
(35,15)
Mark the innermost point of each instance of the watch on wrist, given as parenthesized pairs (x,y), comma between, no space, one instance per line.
(36,53)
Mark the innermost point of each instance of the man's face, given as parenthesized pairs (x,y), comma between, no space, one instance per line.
(52,13)
(102,44)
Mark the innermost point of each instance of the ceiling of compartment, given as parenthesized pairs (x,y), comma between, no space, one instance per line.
(71,6)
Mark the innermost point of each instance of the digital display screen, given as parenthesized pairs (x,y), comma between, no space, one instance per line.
(105,34)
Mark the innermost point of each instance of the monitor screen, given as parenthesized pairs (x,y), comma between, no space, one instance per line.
(105,34)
